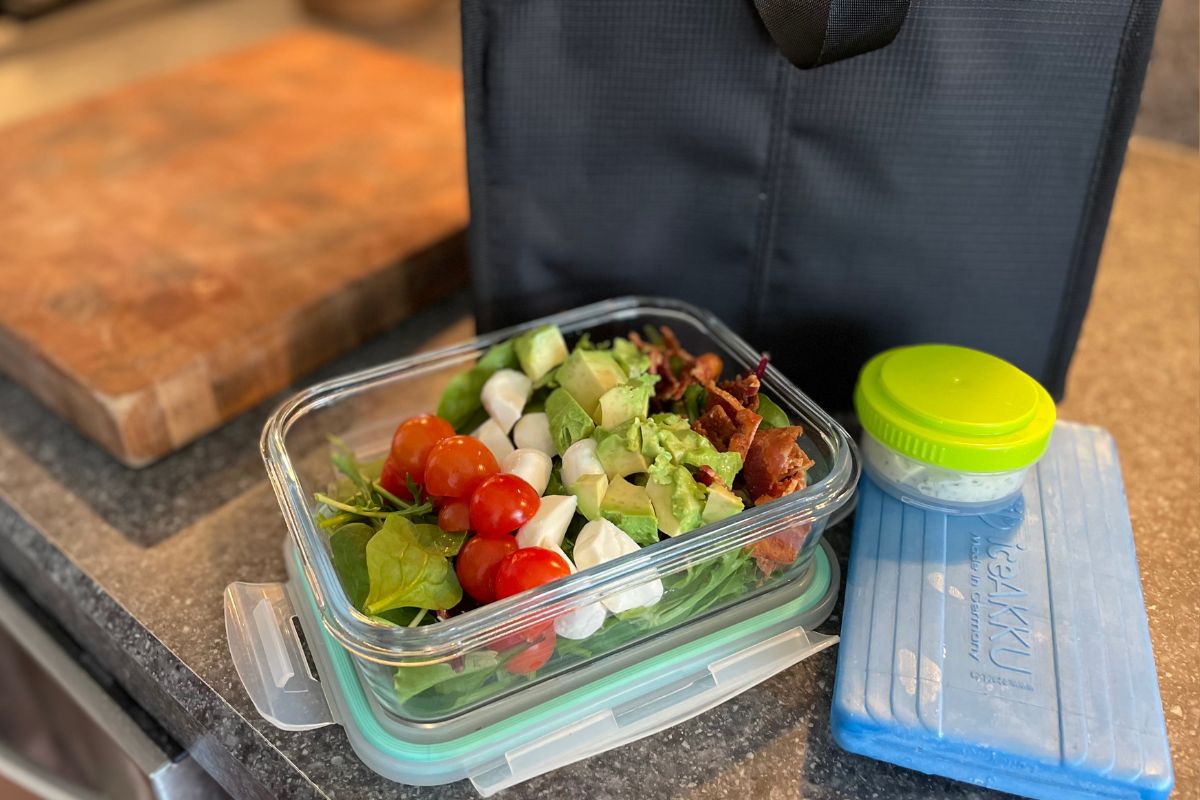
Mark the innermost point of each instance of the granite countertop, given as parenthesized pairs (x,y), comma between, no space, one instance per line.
(133,564)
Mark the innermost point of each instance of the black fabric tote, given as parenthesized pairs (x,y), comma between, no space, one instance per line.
(952,186)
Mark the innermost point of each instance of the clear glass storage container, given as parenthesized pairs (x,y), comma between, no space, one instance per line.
(438,672)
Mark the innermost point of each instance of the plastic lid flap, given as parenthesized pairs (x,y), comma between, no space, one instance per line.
(676,701)
(270,659)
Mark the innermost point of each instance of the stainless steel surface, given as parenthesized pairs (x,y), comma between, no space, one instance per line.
(65,738)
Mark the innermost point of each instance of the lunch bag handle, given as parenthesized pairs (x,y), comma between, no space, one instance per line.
(815,32)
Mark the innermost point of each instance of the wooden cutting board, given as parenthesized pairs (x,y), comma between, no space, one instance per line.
(176,251)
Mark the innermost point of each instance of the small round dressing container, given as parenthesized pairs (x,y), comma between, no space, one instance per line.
(951,428)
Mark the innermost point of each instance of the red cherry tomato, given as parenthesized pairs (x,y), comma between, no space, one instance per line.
(527,568)
(522,637)
(501,504)
(454,516)
(534,656)
(478,561)
(457,465)
(393,481)
(413,440)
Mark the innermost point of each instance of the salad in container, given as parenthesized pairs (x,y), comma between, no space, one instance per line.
(475,522)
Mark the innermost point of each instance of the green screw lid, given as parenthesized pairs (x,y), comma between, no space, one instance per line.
(954,407)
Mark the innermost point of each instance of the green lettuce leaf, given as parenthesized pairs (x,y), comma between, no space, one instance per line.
(348,550)
(693,401)
(772,415)
(405,571)
(438,541)
(460,404)
(411,681)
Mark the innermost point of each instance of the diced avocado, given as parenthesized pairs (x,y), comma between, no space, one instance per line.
(568,421)
(629,508)
(540,350)
(720,504)
(726,465)
(677,499)
(587,374)
(624,402)
(589,491)
(630,357)
(670,434)
(619,450)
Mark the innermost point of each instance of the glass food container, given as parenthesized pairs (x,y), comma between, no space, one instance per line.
(437,672)
(951,428)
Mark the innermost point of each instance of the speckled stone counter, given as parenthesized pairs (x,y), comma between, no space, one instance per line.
(133,564)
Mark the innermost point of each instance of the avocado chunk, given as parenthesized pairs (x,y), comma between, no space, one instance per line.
(726,465)
(540,350)
(676,497)
(630,357)
(568,421)
(720,504)
(587,374)
(619,450)
(589,491)
(671,434)
(625,402)
(628,507)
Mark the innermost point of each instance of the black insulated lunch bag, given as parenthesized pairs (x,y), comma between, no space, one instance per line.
(950,185)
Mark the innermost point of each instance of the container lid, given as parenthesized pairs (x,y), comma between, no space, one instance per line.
(1010,652)
(644,698)
(954,407)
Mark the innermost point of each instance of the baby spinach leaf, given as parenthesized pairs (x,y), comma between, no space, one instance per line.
(404,571)
(398,616)
(344,462)
(460,404)
(693,401)
(499,356)
(438,541)
(499,681)
(554,485)
(411,681)
(772,415)
(348,548)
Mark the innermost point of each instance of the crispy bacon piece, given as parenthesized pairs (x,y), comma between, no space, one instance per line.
(775,465)
(780,549)
(726,423)
(706,369)
(676,368)
(744,389)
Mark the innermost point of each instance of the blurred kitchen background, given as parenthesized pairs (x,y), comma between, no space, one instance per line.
(55,51)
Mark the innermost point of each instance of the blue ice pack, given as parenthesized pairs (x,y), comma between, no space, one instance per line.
(1009,650)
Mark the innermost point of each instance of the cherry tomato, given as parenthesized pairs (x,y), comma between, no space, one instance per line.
(501,504)
(527,568)
(457,465)
(478,561)
(524,636)
(454,516)
(534,656)
(393,481)
(413,440)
